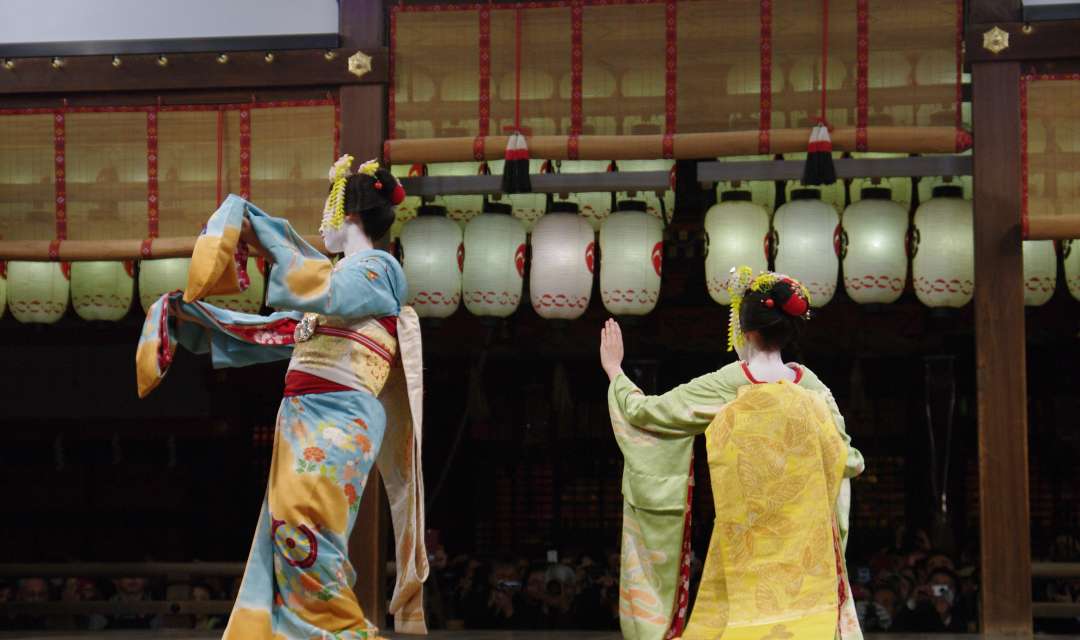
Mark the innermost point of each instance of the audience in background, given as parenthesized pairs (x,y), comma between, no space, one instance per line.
(904,587)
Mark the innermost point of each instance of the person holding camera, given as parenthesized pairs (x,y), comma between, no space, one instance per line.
(935,609)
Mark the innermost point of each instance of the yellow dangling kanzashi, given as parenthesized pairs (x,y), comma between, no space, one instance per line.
(334,209)
(737,284)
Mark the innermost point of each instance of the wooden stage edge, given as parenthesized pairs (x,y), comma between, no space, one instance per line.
(441,635)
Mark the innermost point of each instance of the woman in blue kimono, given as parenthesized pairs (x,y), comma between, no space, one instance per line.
(352,397)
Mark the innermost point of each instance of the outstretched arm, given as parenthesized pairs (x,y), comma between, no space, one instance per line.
(688,408)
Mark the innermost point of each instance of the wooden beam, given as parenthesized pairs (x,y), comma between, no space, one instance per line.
(993,11)
(771,170)
(97,74)
(1029,42)
(1053,227)
(364,26)
(1000,354)
(95,250)
(687,146)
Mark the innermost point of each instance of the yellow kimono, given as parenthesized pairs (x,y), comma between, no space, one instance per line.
(779,461)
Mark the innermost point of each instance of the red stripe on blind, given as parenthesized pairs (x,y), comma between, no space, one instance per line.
(1024,80)
(337,125)
(765,91)
(59,173)
(245,154)
(959,64)
(152,217)
(671,57)
(577,15)
(391,107)
(484,115)
(862,69)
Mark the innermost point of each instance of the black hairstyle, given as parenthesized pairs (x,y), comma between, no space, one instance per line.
(763,311)
(371,198)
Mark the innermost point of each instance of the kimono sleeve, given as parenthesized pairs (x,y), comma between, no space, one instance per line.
(366,284)
(686,409)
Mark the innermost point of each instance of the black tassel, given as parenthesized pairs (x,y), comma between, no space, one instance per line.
(819,168)
(516,169)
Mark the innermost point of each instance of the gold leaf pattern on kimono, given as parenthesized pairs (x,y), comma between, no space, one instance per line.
(788,487)
(774,524)
(771,453)
(764,451)
(719,431)
(767,598)
(752,476)
(798,436)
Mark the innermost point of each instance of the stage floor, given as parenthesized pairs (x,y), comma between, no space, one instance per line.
(436,635)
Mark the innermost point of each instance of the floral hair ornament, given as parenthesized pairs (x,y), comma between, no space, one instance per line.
(742,280)
(371,169)
(334,209)
(798,305)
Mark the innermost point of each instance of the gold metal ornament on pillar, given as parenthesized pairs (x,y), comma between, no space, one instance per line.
(359,64)
(996,40)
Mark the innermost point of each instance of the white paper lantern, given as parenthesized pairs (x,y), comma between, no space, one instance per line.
(158,277)
(101,290)
(432,255)
(563,257)
(1070,252)
(807,236)
(249,300)
(1040,272)
(875,255)
(3,287)
(736,230)
(37,291)
(631,260)
(943,245)
(653,201)
(460,209)
(494,262)
(594,206)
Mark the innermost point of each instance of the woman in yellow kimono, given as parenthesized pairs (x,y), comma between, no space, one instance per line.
(352,400)
(780,463)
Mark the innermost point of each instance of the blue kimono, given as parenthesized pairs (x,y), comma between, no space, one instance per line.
(353,397)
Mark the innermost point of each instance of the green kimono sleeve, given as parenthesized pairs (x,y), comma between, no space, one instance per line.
(686,409)
(656,436)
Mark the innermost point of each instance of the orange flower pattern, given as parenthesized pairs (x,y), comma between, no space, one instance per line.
(309,559)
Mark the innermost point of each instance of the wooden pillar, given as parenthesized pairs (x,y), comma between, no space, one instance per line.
(362,26)
(1004,518)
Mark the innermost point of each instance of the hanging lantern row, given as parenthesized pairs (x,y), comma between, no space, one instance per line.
(39,292)
(485,264)
(808,242)
(529,207)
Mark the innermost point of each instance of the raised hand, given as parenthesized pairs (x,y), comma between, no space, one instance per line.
(611,349)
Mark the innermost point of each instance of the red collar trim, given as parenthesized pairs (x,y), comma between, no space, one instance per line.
(749,376)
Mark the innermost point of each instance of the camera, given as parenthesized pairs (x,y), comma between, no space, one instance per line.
(940,590)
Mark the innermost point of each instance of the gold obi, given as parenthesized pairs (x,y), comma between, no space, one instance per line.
(354,354)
